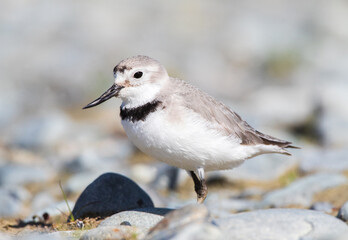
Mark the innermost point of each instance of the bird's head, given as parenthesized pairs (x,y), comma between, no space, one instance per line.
(137,81)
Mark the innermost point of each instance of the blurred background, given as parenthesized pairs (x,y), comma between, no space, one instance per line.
(282,65)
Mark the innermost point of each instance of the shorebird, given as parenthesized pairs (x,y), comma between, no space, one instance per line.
(177,123)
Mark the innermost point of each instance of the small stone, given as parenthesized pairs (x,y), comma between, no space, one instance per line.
(5,236)
(261,168)
(116,232)
(343,212)
(169,177)
(301,191)
(78,182)
(11,201)
(125,223)
(16,174)
(42,200)
(281,224)
(101,158)
(177,220)
(59,235)
(42,131)
(79,224)
(324,160)
(110,193)
(220,207)
(144,173)
(144,218)
(194,231)
(325,207)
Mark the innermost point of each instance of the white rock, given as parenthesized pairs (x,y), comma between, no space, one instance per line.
(324,160)
(143,218)
(343,212)
(302,190)
(12,200)
(285,224)
(260,168)
(116,232)
(17,174)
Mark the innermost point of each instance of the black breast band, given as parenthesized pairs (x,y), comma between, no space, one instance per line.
(139,113)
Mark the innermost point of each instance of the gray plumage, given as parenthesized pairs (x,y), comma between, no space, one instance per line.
(218,114)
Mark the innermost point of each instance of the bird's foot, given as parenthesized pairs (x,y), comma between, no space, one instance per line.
(200,187)
(202,191)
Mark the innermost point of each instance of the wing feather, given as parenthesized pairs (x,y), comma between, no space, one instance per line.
(223,118)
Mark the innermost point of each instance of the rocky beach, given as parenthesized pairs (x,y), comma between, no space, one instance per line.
(281,65)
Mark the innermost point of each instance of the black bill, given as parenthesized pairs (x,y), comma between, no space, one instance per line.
(111,92)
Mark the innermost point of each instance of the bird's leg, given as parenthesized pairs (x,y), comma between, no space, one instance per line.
(200,185)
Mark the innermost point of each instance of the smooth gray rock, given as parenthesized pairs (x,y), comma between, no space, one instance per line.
(78,182)
(60,235)
(271,106)
(4,236)
(301,191)
(16,174)
(110,193)
(194,231)
(11,201)
(343,212)
(42,200)
(285,224)
(324,160)
(189,222)
(110,155)
(261,168)
(325,207)
(42,130)
(144,218)
(115,232)
(222,206)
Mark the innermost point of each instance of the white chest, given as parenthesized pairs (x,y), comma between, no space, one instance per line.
(185,142)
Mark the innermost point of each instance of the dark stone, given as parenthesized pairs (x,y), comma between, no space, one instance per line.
(110,193)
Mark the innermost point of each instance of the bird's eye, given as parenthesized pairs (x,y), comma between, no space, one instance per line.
(138,75)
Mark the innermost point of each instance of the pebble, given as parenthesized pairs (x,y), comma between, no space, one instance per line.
(286,224)
(110,193)
(275,107)
(144,173)
(325,207)
(101,158)
(169,177)
(42,200)
(4,236)
(175,221)
(261,168)
(59,235)
(115,232)
(144,218)
(42,130)
(301,191)
(194,231)
(335,117)
(12,201)
(16,174)
(343,212)
(79,181)
(222,206)
(324,160)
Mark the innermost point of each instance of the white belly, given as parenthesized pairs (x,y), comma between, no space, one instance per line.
(186,142)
